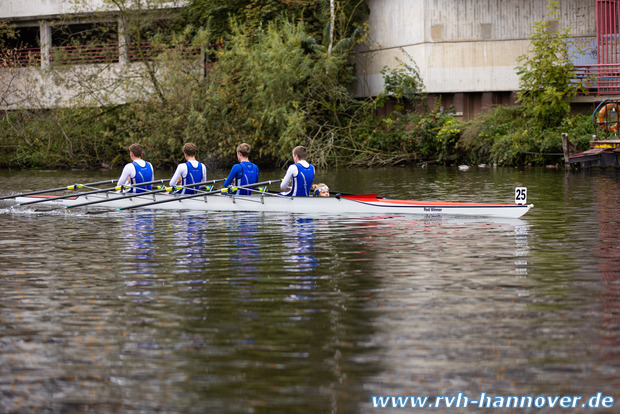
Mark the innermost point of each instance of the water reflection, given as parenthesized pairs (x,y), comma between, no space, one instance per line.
(280,324)
(138,230)
(298,241)
(522,250)
(245,243)
(368,306)
(444,283)
(137,253)
(190,239)
(608,252)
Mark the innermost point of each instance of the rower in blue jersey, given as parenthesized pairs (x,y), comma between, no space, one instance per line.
(189,172)
(243,173)
(301,174)
(137,171)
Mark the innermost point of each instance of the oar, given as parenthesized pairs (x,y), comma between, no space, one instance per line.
(130,195)
(71,187)
(223,191)
(120,187)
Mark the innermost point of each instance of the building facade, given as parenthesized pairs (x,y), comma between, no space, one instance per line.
(466,50)
(91,41)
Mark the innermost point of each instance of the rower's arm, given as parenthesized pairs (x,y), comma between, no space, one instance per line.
(288,177)
(125,177)
(178,174)
(233,173)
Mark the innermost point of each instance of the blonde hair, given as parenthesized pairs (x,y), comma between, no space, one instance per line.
(316,188)
(244,149)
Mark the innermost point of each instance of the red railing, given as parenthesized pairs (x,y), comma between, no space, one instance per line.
(607,33)
(602,79)
(145,50)
(85,54)
(20,57)
(88,54)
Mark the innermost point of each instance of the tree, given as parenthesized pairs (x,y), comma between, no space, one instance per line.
(547,73)
(271,81)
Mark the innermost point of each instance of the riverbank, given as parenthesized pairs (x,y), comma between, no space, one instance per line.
(94,138)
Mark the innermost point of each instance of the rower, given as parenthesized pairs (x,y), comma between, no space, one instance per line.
(243,173)
(301,173)
(189,172)
(137,171)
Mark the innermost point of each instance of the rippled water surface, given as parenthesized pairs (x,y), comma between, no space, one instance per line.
(165,312)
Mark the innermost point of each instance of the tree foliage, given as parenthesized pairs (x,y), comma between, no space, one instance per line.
(219,16)
(546,73)
(272,77)
(272,85)
(403,83)
(7,32)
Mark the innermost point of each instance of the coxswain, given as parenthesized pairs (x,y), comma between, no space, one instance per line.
(320,190)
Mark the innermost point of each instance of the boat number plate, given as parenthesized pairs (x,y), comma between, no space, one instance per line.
(520,195)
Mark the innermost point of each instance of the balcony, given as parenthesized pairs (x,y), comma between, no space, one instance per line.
(88,54)
(604,79)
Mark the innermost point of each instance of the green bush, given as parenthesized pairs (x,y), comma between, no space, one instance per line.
(546,74)
(59,138)
(274,82)
(506,136)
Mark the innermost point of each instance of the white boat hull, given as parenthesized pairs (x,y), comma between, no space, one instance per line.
(319,206)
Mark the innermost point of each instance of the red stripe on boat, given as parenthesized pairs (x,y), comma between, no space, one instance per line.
(372,198)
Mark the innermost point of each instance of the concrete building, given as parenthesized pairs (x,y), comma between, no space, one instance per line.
(466,50)
(63,31)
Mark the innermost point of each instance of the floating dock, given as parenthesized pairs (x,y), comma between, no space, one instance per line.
(603,153)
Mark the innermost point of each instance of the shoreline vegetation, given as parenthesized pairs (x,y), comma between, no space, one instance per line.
(280,76)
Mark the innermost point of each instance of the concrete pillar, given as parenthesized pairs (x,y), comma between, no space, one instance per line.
(123,42)
(487,101)
(459,104)
(46,43)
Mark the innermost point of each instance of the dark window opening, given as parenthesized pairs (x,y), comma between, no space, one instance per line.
(25,38)
(83,34)
(23,49)
(85,43)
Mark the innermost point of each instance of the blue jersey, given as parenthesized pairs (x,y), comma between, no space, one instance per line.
(302,183)
(143,175)
(241,174)
(194,175)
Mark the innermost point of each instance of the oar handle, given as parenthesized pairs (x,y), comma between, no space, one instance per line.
(127,187)
(181,187)
(131,195)
(105,200)
(197,195)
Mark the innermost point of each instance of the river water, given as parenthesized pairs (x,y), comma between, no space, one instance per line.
(165,312)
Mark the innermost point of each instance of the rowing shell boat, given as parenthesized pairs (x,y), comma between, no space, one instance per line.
(367,204)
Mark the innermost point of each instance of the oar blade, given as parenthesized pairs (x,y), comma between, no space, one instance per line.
(91,192)
(52,190)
